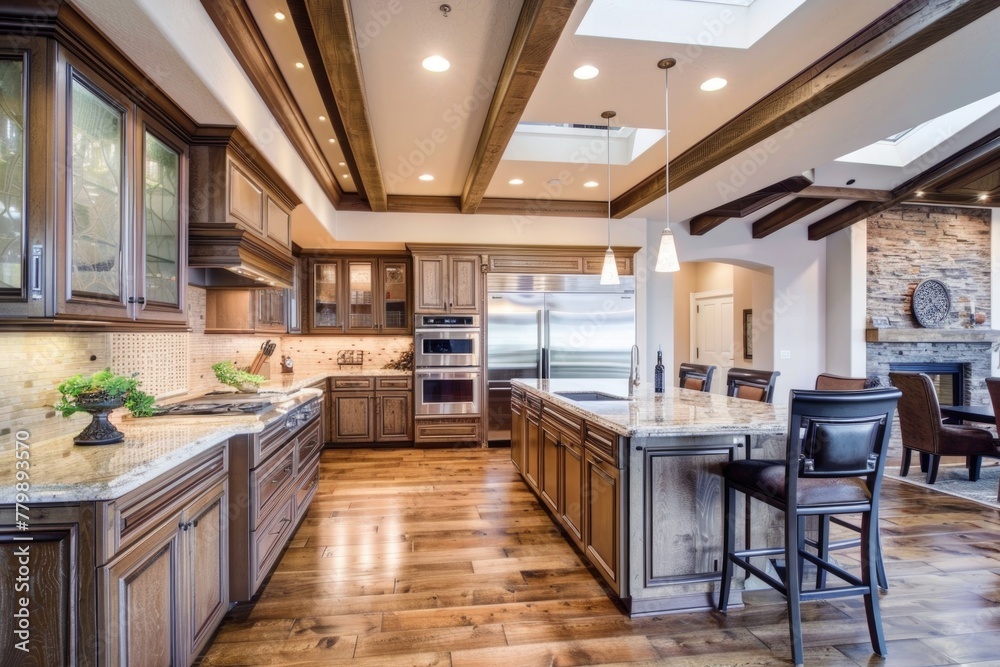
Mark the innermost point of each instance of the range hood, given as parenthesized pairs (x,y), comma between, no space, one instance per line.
(224,254)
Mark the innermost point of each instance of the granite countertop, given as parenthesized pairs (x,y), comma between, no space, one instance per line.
(63,472)
(675,412)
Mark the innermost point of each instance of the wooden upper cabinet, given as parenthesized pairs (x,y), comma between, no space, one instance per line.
(447,283)
(358,295)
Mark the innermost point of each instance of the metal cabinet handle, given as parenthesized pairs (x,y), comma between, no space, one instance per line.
(36,272)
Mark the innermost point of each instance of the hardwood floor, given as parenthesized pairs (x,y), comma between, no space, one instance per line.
(443,557)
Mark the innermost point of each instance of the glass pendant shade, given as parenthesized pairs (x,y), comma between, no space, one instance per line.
(609,272)
(666,257)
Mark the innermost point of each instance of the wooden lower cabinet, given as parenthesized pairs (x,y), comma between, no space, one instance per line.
(58,585)
(370,410)
(161,598)
(517,430)
(572,466)
(603,512)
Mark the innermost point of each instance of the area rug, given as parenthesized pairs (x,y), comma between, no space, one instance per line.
(954,481)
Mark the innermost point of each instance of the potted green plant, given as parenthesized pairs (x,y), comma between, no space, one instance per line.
(98,395)
(243,381)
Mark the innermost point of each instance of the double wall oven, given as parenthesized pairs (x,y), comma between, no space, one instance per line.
(447,355)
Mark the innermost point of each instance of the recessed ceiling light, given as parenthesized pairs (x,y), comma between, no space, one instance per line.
(715,83)
(279,16)
(515,181)
(919,193)
(341,164)
(322,118)
(436,64)
(332,141)
(984,197)
(299,66)
(590,184)
(347,175)
(426,177)
(586,72)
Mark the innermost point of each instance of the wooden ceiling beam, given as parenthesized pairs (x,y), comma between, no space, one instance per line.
(538,29)
(326,30)
(855,194)
(704,223)
(907,29)
(794,210)
(233,20)
(972,157)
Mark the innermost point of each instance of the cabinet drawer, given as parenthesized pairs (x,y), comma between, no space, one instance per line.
(308,443)
(602,442)
(393,383)
(446,431)
(570,426)
(269,483)
(139,511)
(267,542)
(305,486)
(352,383)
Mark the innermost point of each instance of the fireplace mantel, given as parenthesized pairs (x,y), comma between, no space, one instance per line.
(897,335)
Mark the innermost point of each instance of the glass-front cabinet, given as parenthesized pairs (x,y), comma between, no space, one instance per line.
(359,295)
(93,211)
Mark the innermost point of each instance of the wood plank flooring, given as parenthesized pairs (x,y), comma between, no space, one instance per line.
(443,557)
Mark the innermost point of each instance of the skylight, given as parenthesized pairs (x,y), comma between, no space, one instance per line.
(736,24)
(904,147)
(577,143)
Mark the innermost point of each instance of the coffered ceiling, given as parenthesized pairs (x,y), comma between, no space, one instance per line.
(344,80)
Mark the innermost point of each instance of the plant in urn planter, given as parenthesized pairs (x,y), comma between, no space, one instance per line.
(243,381)
(98,395)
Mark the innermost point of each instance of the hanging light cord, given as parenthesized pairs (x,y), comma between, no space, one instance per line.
(665,65)
(607,148)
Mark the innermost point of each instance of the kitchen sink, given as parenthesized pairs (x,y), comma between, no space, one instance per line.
(585,396)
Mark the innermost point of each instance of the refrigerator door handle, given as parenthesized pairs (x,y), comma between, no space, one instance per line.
(543,339)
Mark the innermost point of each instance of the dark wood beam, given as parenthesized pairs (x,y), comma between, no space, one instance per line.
(538,28)
(970,158)
(907,29)
(704,223)
(794,210)
(328,32)
(233,20)
(855,194)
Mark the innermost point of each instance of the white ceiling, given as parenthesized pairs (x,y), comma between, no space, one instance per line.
(430,123)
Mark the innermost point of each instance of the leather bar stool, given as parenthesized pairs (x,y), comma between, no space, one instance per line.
(695,376)
(751,384)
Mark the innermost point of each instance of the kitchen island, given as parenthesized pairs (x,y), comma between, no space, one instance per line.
(634,483)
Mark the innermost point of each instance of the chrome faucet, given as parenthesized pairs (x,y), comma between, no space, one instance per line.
(633,371)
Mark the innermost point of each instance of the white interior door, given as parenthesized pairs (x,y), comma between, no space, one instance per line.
(712,334)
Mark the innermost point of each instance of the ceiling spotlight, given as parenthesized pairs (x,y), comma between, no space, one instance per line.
(341,164)
(436,64)
(984,197)
(347,175)
(299,66)
(332,141)
(713,84)
(426,177)
(919,193)
(279,16)
(585,72)
(590,184)
(515,181)
(322,118)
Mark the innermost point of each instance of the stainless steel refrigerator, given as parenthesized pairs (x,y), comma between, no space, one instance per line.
(553,326)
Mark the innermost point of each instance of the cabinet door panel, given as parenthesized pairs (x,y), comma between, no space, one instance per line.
(517,428)
(139,589)
(162,200)
(278,228)
(96,195)
(361,296)
(603,516)
(572,491)
(532,448)
(325,296)
(353,419)
(396,287)
(395,416)
(465,278)
(548,482)
(208,565)
(246,199)
(431,278)
(13,106)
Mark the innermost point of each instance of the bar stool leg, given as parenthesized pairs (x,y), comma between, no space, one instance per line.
(728,542)
(869,536)
(793,582)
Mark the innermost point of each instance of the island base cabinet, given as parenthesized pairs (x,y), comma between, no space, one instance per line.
(572,490)
(532,445)
(603,532)
(162,598)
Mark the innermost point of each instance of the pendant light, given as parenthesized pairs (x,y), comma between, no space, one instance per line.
(609,272)
(666,257)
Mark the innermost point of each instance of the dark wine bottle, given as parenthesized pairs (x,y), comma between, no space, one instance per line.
(658,372)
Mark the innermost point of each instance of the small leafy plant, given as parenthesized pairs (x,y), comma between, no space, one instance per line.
(227,373)
(103,385)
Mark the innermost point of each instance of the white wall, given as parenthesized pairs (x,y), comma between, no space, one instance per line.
(846,301)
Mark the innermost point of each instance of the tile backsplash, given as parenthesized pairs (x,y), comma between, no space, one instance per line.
(168,364)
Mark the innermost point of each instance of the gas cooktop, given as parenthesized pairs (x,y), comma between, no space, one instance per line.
(232,403)
(215,408)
